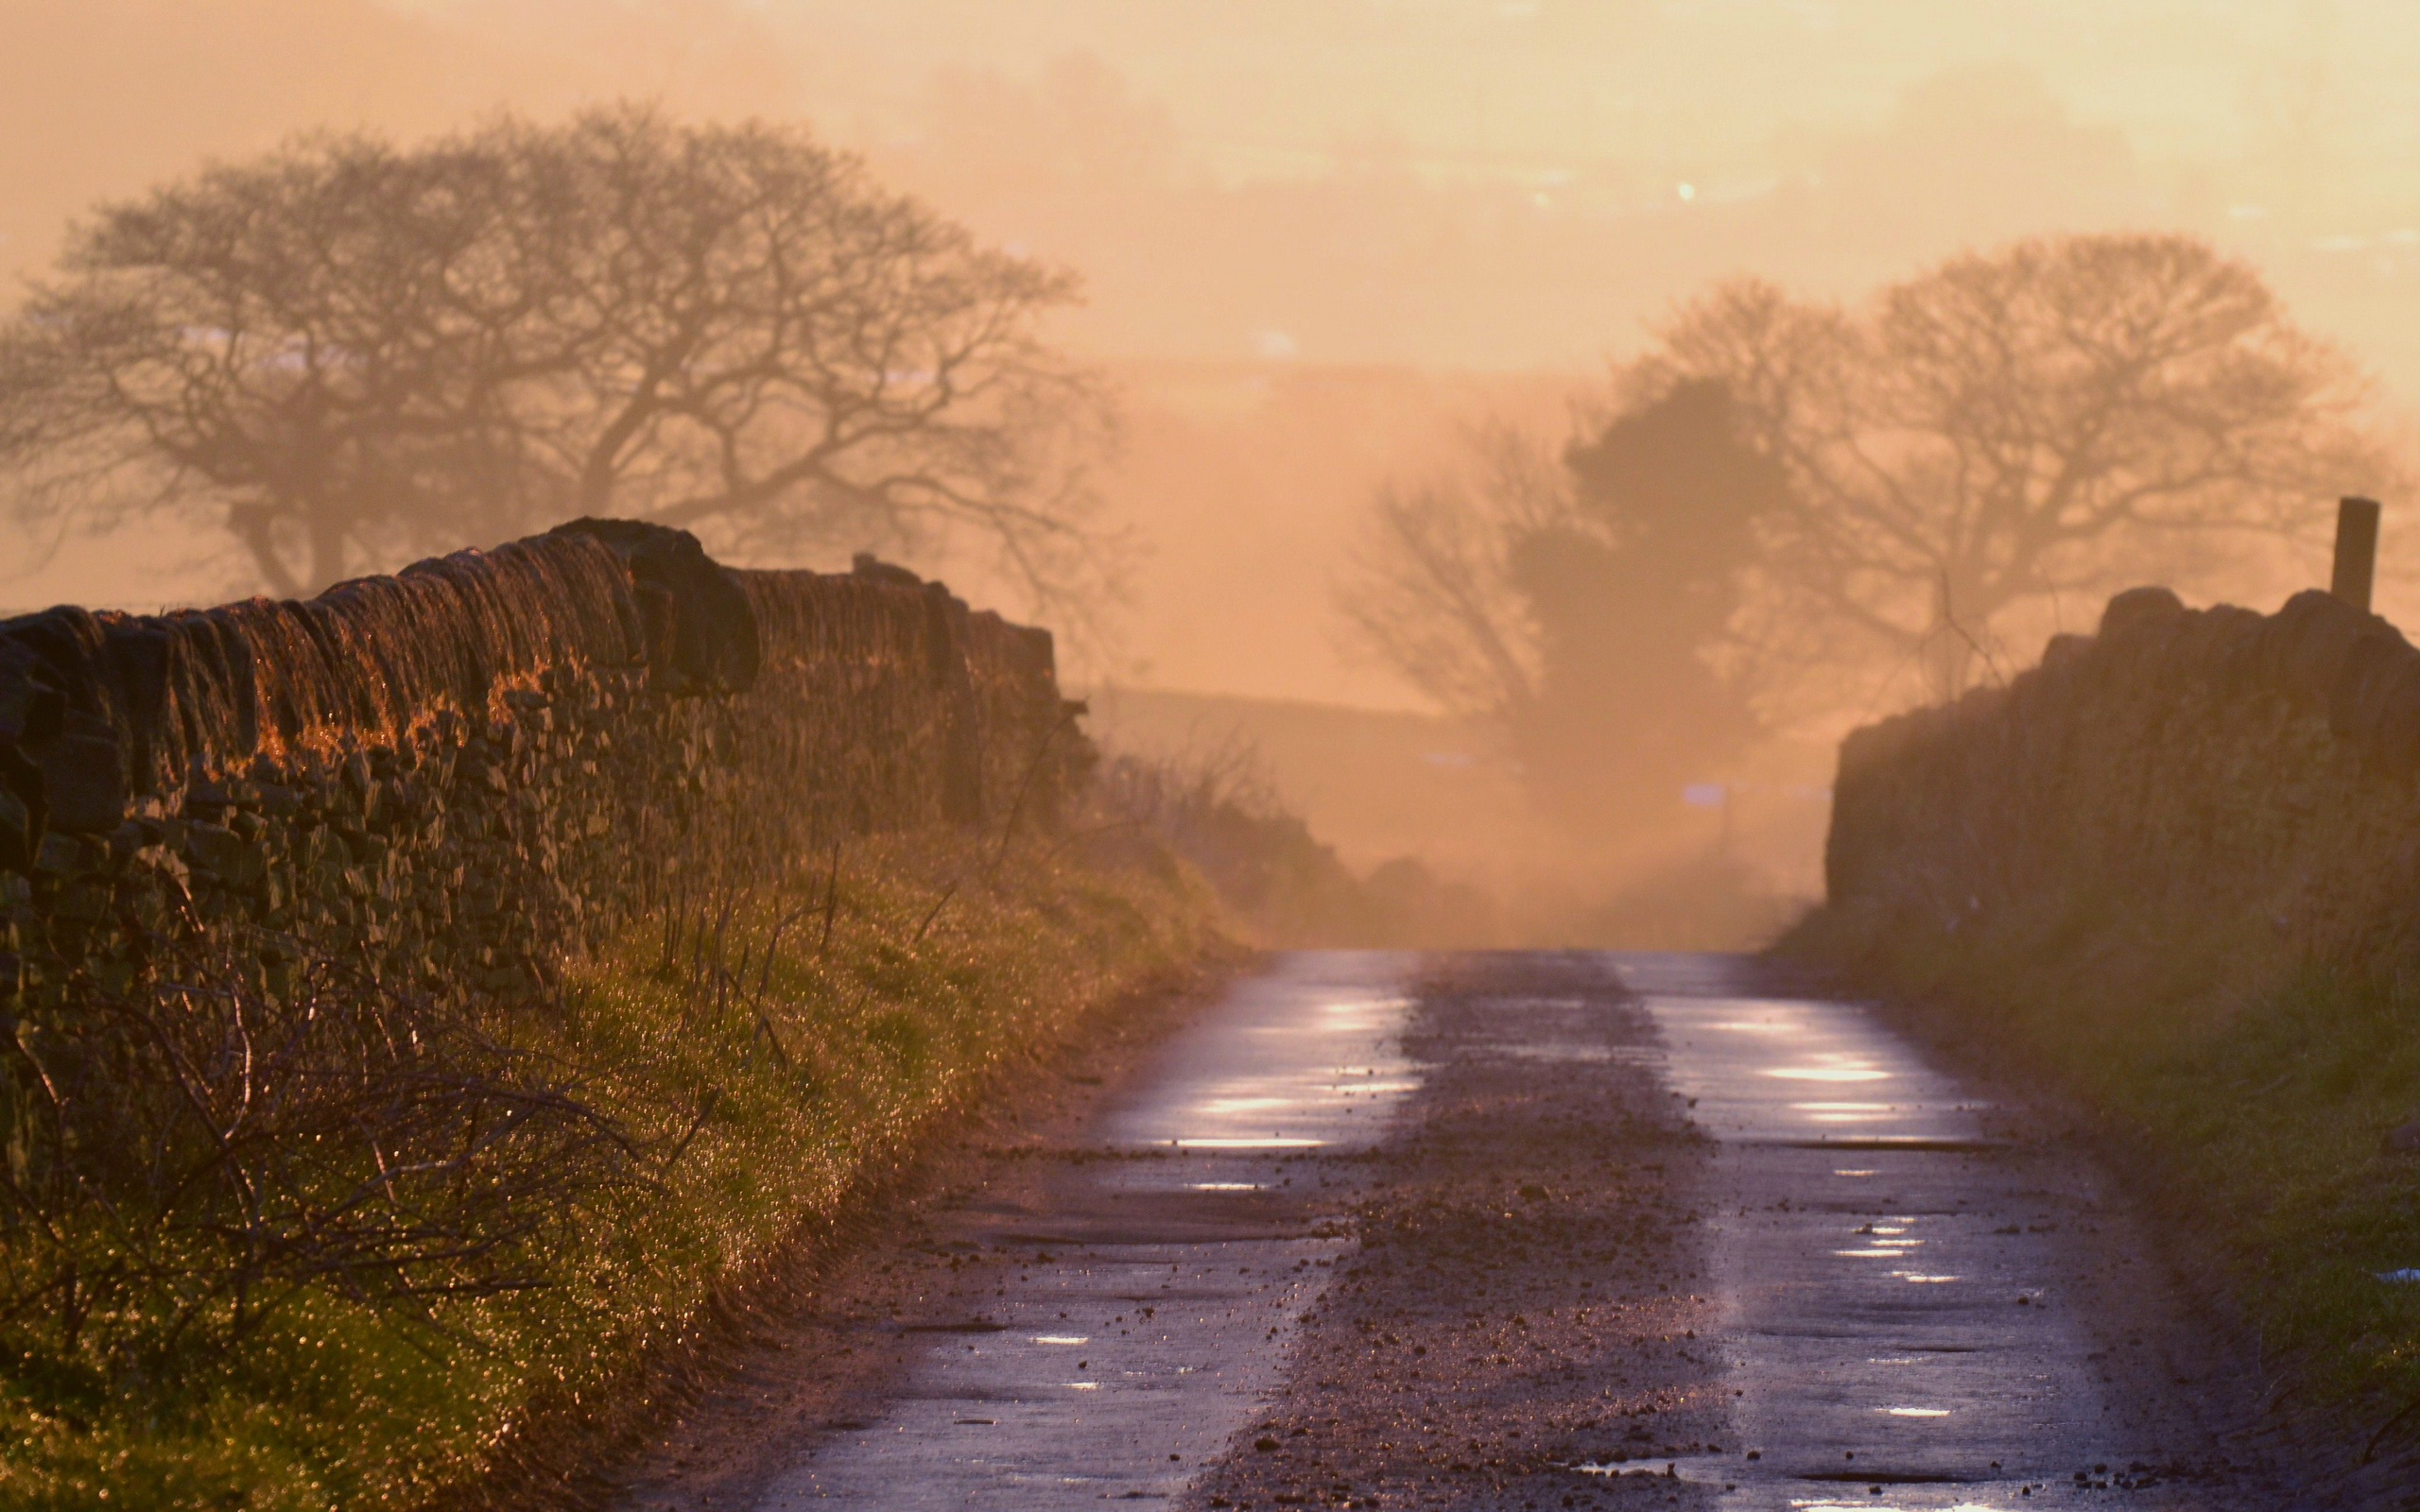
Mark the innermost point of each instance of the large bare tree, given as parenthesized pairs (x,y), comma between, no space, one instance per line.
(1898,484)
(2057,416)
(345,351)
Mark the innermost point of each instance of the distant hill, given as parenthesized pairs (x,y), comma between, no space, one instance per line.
(1378,784)
(1374,783)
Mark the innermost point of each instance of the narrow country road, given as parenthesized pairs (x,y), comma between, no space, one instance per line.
(1517,1230)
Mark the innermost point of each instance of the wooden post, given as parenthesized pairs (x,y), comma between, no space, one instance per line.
(2357,551)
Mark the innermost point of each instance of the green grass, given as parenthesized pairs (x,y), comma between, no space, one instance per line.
(2247,1088)
(831,1078)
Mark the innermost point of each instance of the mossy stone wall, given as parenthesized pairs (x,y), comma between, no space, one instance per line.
(2215,763)
(460,776)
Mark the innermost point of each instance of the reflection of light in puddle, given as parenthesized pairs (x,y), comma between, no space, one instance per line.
(1826,1074)
(1913,1412)
(1911,1275)
(1272,1143)
(1241,1105)
(1797,1505)
(1362,1011)
(1083,1385)
(1222,1186)
(1852,1172)
(1744,1026)
(1063,1338)
(1881,1241)
(1844,1112)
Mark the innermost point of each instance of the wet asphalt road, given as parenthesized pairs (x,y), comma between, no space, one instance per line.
(1846,1285)
(1153,1285)
(1901,1282)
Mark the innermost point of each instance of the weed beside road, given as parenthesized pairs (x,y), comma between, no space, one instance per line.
(708,1087)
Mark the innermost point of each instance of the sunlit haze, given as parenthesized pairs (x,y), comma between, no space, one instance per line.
(1320,240)
(1395,204)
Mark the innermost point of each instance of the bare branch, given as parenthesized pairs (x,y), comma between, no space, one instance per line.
(347,351)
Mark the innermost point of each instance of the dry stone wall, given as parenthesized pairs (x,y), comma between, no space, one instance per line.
(462,775)
(2215,762)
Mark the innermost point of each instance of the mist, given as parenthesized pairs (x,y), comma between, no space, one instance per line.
(1321,247)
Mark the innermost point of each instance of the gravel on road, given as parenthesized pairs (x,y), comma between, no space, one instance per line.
(1527,1295)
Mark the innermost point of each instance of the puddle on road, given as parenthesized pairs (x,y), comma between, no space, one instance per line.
(1869,1308)
(1868,1247)
(1825,1072)
(1170,1285)
(1743,1483)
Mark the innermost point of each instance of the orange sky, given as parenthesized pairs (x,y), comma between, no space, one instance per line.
(1317,231)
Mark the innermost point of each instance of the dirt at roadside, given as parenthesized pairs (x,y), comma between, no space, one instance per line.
(815,1338)
(1526,1297)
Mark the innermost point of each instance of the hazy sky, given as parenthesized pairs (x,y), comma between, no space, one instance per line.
(2285,127)
(1406,210)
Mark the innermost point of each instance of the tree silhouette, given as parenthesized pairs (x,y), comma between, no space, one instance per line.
(345,351)
(1633,595)
(1580,603)
(2056,417)
(1798,499)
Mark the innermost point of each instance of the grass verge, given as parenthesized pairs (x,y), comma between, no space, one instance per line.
(758,1058)
(2243,1088)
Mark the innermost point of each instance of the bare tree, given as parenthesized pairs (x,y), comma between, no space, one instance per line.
(1430,588)
(346,349)
(1580,602)
(2052,417)
(1788,503)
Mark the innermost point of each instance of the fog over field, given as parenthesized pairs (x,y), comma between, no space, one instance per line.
(1325,243)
